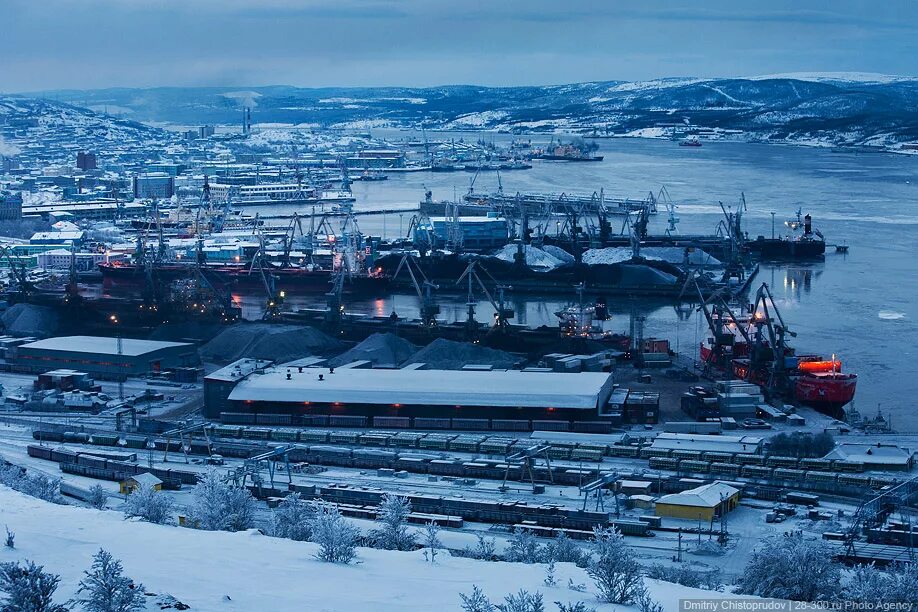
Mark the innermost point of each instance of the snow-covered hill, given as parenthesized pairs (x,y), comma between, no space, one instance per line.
(219,571)
(830,108)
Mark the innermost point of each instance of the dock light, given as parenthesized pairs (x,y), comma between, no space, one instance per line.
(283,294)
(396,405)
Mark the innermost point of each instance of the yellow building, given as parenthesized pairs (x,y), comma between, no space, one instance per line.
(704,503)
(140,480)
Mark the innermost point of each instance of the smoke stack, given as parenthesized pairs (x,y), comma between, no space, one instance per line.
(807,225)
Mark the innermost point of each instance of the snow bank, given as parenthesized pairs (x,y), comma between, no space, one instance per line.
(220,571)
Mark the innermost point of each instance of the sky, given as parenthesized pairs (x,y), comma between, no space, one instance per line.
(89,44)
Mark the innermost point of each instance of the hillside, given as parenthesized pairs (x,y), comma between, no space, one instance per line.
(218,571)
(828,108)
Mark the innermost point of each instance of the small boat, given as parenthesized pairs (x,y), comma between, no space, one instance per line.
(690,142)
(841,248)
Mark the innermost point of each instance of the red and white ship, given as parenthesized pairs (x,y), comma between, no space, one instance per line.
(751,346)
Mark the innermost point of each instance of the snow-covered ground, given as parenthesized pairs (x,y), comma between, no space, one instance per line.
(218,571)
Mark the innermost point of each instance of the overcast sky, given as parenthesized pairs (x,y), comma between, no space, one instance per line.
(85,44)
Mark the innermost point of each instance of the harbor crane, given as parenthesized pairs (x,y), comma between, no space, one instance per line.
(502,314)
(429,308)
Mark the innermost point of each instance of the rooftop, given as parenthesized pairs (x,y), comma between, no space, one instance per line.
(99,344)
(708,496)
(708,442)
(507,388)
(888,454)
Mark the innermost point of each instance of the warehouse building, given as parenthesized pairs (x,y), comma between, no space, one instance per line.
(102,357)
(704,503)
(708,443)
(510,394)
(874,456)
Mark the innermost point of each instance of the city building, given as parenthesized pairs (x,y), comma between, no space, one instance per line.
(704,503)
(154,185)
(10,206)
(86,161)
(111,358)
(409,392)
(137,481)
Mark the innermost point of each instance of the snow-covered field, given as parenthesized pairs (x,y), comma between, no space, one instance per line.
(219,571)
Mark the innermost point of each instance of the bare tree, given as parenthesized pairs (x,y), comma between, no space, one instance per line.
(105,588)
(563,550)
(485,548)
(28,588)
(613,567)
(432,541)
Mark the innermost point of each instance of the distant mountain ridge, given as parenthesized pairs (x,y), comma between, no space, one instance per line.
(815,108)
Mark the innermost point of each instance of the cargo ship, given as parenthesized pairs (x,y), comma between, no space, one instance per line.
(810,244)
(568,152)
(751,346)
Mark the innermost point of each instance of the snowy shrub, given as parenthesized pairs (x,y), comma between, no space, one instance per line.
(221,506)
(10,541)
(522,602)
(550,579)
(524,548)
(573,607)
(27,588)
(393,518)
(613,567)
(791,567)
(105,588)
(476,601)
(869,585)
(34,485)
(645,602)
(148,504)
(432,541)
(292,517)
(337,539)
(698,579)
(484,549)
(563,550)
(97,497)
(574,586)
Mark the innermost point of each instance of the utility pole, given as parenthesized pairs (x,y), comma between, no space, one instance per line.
(772,225)
(120,367)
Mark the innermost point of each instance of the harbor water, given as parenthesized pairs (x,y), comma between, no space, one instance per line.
(862,306)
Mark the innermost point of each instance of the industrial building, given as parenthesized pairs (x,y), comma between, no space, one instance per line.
(101,357)
(874,456)
(154,185)
(708,443)
(409,392)
(704,503)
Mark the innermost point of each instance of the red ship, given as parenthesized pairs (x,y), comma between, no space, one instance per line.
(752,346)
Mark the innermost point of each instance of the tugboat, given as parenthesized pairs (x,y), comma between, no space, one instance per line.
(751,345)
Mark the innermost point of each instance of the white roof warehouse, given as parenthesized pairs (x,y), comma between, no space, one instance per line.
(547,392)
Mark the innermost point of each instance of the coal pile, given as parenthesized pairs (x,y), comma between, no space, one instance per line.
(31,320)
(268,341)
(383,350)
(442,354)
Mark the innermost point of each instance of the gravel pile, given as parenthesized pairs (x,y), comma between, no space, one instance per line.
(31,320)
(267,341)
(384,350)
(442,354)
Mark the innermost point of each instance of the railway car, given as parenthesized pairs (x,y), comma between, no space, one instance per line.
(782,462)
(75,437)
(788,474)
(342,420)
(470,424)
(598,427)
(44,435)
(344,437)
(319,436)
(285,435)
(435,442)
(816,476)
(757,471)
(510,425)
(586,454)
(620,450)
(687,465)
(809,463)
(331,455)
(497,446)
(466,443)
(431,423)
(847,466)
(726,469)
(383,422)
(692,455)
(374,458)
(748,459)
